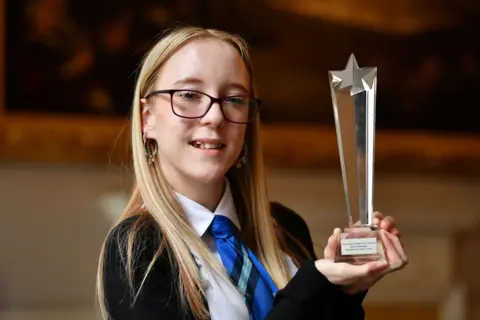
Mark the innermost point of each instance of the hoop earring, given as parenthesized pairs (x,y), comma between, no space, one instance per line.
(149,155)
(243,159)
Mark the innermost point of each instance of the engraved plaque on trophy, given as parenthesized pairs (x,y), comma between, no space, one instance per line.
(353,92)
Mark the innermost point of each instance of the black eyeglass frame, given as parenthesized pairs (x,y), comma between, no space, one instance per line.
(213,100)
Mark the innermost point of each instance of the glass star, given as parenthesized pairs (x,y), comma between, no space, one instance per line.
(353,77)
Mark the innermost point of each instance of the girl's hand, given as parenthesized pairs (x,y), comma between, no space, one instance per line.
(358,278)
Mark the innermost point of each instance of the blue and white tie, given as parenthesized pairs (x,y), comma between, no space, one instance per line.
(246,272)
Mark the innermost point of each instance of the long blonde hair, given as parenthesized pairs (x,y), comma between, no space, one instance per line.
(162,209)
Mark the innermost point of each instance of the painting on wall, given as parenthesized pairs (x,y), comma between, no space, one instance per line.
(65,58)
(65,61)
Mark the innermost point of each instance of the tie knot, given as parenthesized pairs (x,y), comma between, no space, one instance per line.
(222,227)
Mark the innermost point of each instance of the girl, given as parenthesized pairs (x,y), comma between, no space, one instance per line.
(199,238)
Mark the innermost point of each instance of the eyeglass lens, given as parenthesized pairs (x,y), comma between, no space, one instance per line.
(191,104)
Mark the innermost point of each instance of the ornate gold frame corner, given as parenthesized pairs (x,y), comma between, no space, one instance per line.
(395,151)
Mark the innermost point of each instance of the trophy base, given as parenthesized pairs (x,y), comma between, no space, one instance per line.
(359,245)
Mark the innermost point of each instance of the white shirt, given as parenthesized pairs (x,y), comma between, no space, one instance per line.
(224,300)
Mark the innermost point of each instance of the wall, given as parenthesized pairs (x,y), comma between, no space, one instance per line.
(390,312)
(53,223)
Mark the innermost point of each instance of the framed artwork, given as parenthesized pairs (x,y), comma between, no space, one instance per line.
(67,74)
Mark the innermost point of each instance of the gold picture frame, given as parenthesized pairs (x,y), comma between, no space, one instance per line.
(32,138)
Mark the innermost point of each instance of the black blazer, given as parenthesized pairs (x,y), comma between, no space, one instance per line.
(309,295)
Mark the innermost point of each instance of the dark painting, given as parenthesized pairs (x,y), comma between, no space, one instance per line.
(78,57)
(81,57)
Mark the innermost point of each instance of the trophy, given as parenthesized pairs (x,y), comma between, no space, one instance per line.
(353,92)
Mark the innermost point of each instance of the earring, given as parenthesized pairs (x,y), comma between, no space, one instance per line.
(150,155)
(243,159)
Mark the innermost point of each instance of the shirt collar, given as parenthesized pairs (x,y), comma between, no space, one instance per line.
(200,217)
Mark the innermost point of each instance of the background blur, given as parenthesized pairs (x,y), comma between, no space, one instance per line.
(67,70)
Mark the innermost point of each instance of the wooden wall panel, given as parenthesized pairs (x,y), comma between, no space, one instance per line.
(402,312)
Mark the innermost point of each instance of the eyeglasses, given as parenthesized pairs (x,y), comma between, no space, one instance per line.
(192,104)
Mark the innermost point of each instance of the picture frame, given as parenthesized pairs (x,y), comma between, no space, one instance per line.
(27,137)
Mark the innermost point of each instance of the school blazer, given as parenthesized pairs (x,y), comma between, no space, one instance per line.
(308,295)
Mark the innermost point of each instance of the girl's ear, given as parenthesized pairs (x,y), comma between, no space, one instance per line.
(148,119)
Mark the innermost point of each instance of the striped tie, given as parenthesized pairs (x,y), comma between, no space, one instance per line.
(246,272)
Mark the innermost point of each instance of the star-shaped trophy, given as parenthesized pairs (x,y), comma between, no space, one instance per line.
(353,92)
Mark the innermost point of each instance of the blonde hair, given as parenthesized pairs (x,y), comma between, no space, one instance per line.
(161,207)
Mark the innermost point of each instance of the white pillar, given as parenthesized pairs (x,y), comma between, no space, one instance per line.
(454,306)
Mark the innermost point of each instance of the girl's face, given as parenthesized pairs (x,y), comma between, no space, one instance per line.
(204,148)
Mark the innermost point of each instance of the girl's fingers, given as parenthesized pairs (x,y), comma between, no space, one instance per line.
(331,248)
(393,257)
(399,249)
(388,223)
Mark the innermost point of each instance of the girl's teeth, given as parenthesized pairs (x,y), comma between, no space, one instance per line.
(207,145)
